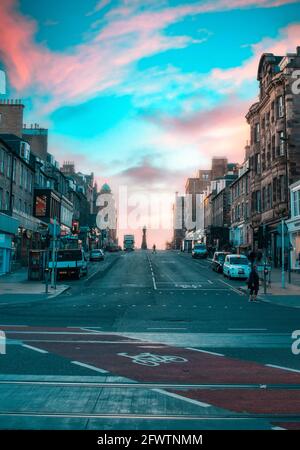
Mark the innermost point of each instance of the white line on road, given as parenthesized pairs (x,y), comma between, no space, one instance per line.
(90,329)
(231,287)
(152,274)
(204,351)
(282,368)
(180,397)
(87,366)
(165,328)
(34,348)
(247,329)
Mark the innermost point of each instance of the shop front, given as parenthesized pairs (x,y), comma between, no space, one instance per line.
(294,234)
(8,227)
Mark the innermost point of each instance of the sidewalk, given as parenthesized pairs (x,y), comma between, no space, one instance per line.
(287,296)
(17,283)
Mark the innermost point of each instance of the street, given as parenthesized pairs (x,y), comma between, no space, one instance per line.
(156,341)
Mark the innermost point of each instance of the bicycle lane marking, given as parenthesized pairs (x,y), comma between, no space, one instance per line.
(199,368)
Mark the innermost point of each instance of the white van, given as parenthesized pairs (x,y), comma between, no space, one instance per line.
(70,262)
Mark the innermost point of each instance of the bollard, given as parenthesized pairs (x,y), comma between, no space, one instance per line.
(47,280)
(266,271)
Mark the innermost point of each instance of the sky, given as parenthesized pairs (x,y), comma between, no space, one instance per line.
(142,92)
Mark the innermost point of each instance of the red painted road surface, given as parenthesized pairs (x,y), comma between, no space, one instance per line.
(195,368)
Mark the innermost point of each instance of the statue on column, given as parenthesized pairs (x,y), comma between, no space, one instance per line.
(144,240)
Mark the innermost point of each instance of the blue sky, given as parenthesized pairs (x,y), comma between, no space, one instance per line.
(128,86)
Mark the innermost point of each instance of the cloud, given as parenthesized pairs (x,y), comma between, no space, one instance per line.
(100,5)
(128,34)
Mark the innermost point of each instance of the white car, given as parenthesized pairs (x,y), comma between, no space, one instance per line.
(236,266)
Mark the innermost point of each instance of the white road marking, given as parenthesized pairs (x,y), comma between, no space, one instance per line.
(34,348)
(180,397)
(90,329)
(282,368)
(87,366)
(231,287)
(165,328)
(210,282)
(204,351)
(247,329)
(278,428)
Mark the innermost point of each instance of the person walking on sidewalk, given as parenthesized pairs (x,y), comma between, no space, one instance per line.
(253,284)
(154,248)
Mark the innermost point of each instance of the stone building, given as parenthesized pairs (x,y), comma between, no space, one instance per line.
(38,139)
(17,193)
(240,229)
(220,212)
(11,117)
(274,148)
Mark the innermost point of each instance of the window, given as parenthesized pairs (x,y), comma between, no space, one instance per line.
(6,206)
(257,163)
(295,203)
(257,133)
(1,160)
(269,196)
(258,201)
(8,167)
(14,169)
(25,178)
(20,205)
(282,187)
(281,143)
(21,176)
(280,107)
(264,202)
(273,147)
(1,199)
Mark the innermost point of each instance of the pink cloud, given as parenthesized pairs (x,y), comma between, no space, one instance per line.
(233,78)
(106,59)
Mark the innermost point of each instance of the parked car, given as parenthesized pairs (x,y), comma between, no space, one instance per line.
(199,251)
(97,255)
(236,266)
(218,261)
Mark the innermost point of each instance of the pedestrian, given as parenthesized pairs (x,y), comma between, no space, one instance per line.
(154,248)
(253,284)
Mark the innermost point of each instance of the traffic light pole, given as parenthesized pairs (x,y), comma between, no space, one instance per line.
(53,278)
(282,255)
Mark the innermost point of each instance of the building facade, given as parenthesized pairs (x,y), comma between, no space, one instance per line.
(240,229)
(274,149)
(294,226)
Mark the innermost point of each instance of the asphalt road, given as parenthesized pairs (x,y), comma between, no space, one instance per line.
(155,341)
